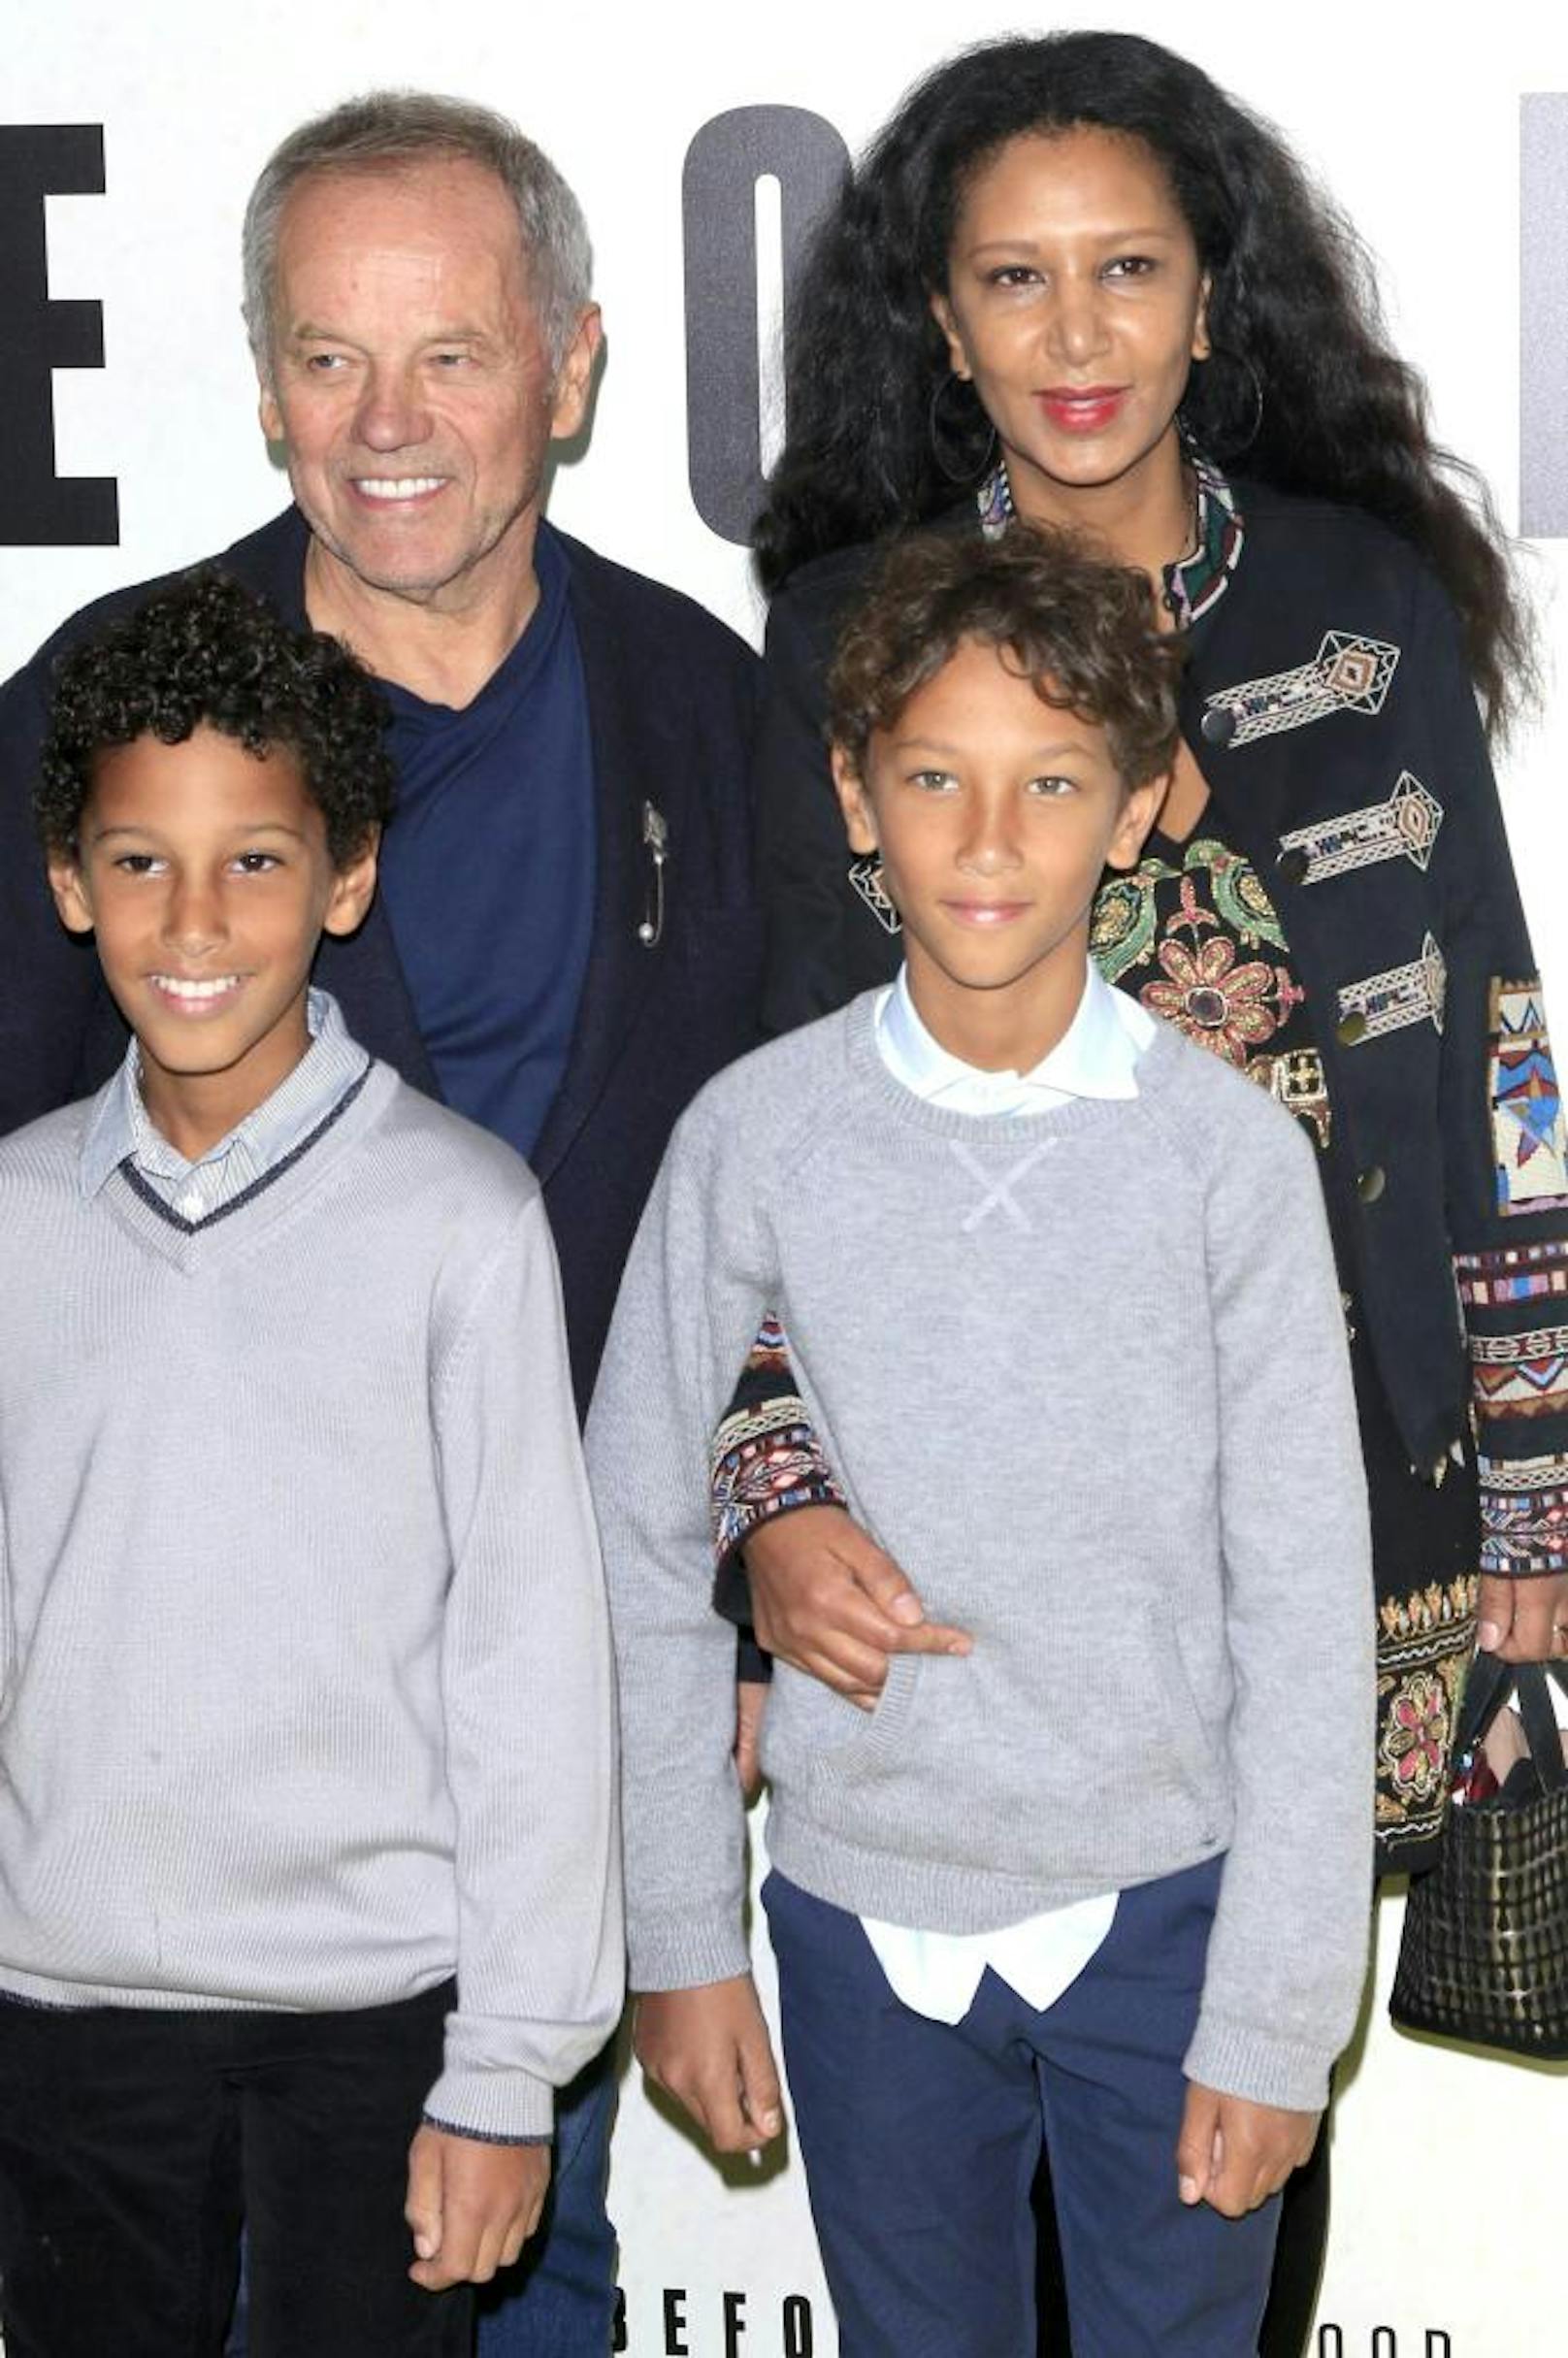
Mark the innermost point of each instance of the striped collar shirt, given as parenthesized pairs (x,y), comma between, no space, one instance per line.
(123,1131)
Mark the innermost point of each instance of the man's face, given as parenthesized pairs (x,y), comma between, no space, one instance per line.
(409,379)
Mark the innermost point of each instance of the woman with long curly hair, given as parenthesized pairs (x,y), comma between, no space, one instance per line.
(1073,282)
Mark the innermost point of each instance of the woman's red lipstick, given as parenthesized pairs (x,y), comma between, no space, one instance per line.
(1082,408)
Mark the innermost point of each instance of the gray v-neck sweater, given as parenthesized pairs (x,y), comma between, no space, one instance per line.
(1084,1374)
(307,1682)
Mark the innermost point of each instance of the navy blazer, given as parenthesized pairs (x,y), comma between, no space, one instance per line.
(671,701)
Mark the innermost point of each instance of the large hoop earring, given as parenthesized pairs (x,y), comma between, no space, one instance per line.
(952,437)
(1221,402)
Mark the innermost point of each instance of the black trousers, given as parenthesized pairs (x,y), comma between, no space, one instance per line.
(134,2141)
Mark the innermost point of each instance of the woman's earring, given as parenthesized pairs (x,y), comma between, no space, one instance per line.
(952,433)
(1229,389)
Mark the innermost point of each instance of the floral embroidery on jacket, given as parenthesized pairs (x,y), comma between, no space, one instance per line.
(1424,1641)
(1198,935)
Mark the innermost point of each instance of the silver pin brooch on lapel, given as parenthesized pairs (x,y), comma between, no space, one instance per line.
(656,838)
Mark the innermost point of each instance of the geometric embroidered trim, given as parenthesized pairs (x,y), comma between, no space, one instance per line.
(1529,1136)
(1349,674)
(1512,1274)
(1404,826)
(1524,1515)
(864,873)
(1403,995)
(1499,1348)
(761,1467)
(1520,1375)
(1526,1476)
(1296,1079)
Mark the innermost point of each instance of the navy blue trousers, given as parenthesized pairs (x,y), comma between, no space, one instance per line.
(921,2140)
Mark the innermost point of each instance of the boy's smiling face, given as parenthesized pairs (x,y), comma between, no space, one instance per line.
(205,873)
(996,815)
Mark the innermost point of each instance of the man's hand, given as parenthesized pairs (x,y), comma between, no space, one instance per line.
(826,1599)
(472,2206)
(1519,1619)
(710,2049)
(1234,2154)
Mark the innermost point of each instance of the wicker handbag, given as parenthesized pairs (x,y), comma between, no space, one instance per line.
(1485,1952)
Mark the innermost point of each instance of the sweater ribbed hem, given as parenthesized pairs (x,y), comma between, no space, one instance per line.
(941,1897)
(1240,2059)
(484,2137)
(685,1955)
(496,2106)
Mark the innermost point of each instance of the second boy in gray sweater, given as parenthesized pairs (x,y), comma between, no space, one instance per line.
(1083,1368)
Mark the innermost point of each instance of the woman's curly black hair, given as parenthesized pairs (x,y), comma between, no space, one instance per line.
(1080,630)
(204,650)
(1292,304)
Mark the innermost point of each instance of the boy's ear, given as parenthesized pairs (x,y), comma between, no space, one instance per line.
(860,820)
(353,888)
(70,894)
(1139,812)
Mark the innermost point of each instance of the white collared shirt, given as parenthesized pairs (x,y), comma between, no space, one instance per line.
(936,1974)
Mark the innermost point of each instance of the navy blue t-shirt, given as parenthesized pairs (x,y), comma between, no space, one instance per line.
(488,869)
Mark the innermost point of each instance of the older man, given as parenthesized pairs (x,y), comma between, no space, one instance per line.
(564,947)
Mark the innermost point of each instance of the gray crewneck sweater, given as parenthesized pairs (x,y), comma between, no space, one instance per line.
(1084,1374)
(306,1693)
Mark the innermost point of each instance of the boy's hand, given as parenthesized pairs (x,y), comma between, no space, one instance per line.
(826,1599)
(1234,2154)
(472,2206)
(710,2049)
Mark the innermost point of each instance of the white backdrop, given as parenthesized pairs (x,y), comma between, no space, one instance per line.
(1447,2166)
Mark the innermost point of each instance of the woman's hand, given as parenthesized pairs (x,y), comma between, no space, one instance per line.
(1519,1619)
(826,1599)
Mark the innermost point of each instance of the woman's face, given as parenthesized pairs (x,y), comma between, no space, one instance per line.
(1075,305)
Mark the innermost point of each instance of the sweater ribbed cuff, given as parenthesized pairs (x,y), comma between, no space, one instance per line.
(674,1954)
(1239,2059)
(497,2106)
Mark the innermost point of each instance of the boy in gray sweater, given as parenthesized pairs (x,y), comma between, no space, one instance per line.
(1059,1291)
(300,1595)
